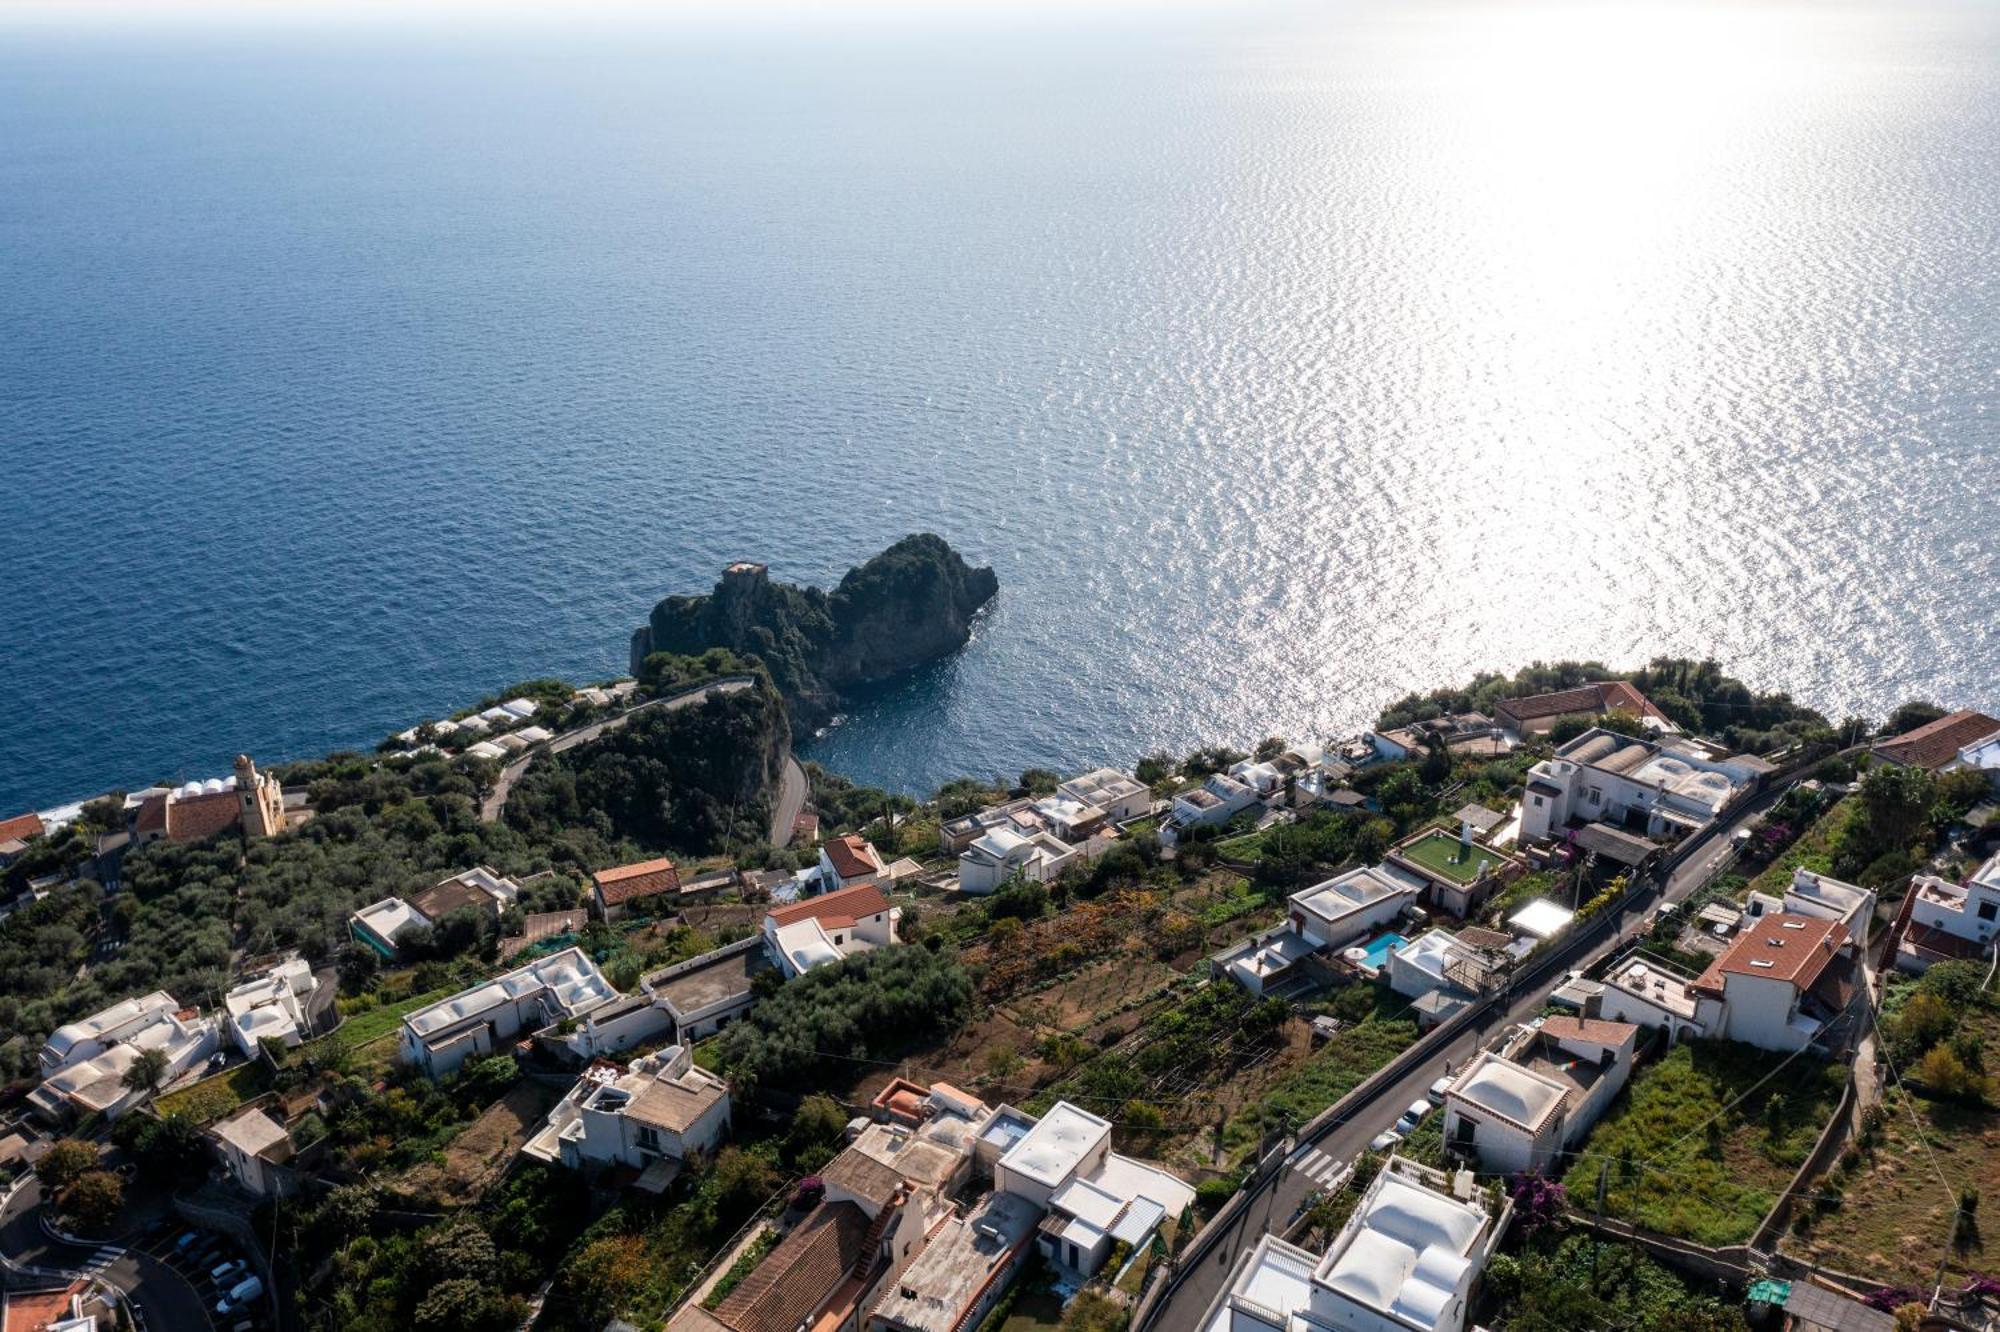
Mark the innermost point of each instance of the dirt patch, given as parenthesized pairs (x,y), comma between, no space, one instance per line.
(1096,993)
(481,1152)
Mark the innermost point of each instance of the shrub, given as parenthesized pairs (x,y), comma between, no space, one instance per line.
(860,1007)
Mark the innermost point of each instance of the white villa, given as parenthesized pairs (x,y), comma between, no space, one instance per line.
(1648,994)
(1950,920)
(1120,797)
(1095,1198)
(1408,1260)
(83,1064)
(1666,786)
(1216,801)
(1522,1109)
(482,1019)
(1001,854)
(378,924)
(1341,910)
(97,1033)
(1820,895)
(651,1115)
(849,862)
(829,927)
(274,1006)
(1779,984)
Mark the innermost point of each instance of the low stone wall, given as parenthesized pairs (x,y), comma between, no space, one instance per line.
(1737,1264)
(1833,1138)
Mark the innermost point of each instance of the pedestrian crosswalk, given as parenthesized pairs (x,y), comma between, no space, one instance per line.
(1317,1166)
(103,1258)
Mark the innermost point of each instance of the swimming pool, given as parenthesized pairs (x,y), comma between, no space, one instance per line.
(1379,948)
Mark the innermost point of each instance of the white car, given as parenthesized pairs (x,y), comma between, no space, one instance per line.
(1413,1116)
(1384,1140)
(1439,1088)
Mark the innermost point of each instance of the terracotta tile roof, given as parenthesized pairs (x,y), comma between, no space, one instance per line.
(852,857)
(30,1311)
(1584,698)
(623,883)
(1597,696)
(199,817)
(834,909)
(1926,939)
(1624,696)
(21,826)
(796,1279)
(1797,948)
(152,815)
(1935,744)
(1599,1030)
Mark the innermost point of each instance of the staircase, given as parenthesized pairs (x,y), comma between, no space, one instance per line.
(871,1243)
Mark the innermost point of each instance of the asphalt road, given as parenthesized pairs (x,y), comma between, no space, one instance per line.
(1275,1206)
(791,799)
(163,1297)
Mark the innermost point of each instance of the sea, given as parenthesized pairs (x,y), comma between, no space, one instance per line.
(1280,357)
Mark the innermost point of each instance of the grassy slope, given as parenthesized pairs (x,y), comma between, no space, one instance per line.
(1684,1180)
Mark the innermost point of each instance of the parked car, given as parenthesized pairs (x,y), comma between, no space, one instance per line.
(223,1273)
(1414,1116)
(1384,1140)
(240,1294)
(1439,1088)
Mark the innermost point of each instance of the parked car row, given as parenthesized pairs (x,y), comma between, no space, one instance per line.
(1417,1112)
(219,1272)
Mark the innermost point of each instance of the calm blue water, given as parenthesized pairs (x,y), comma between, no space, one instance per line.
(1278,367)
(1380,947)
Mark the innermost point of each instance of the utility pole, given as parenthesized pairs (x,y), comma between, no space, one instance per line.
(1597,1241)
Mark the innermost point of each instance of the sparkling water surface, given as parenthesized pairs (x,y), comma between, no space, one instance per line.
(1279,365)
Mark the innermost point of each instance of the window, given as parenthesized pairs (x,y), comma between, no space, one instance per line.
(649,1137)
(1987,910)
(1538,802)
(1595,795)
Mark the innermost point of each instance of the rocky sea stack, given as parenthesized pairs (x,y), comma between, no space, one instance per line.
(911,604)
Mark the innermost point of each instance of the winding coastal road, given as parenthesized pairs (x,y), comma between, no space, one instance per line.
(1315,1159)
(491,808)
(33,1258)
(791,799)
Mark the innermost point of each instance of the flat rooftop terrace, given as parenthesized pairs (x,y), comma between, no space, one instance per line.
(711,981)
(949,1275)
(1442,854)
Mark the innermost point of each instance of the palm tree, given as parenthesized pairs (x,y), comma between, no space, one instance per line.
(147,1070)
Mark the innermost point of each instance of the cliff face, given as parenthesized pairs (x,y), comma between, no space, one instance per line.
(911,604)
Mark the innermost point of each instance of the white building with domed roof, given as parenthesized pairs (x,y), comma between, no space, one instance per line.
(1667,788)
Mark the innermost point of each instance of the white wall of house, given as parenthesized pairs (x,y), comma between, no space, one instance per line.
(1979,921)
(1502,1147)
(1758,1011)
(1618,1004)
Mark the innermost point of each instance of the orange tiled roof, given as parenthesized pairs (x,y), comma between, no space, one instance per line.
(623,883)
(1935,744)
(834,909)
(22,826)
(797,1279)
(852,857)
(1600,1030)
(1797,948)
(197,818)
